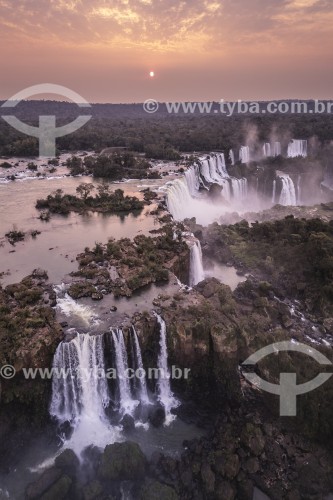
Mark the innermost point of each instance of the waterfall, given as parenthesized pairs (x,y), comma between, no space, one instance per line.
(288,194)
(126,403)
(297,147)
(244,154)
(196,268)
(274,192)
(299,191)
(143,393)
(179,199)
(80,391)
(277,149)
(267,150)
(185,196)
(192,180)
(232,157)
(239,188)
(165,395)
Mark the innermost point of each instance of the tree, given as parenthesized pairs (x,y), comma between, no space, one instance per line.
(85,189)
(103,190)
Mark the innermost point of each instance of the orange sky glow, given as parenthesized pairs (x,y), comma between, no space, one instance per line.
(199,50)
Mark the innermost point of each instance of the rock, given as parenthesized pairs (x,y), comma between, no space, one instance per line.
(128,423)
(40,274)
(224,491)
(97,296)
(232,466)
(328,325)
(253,438)
(287,321)
(157,416)
(64,324)
(154,490)
(245,490)
(122,461)
(208,478)
(252,465)
(59,490)
(113,308)
(92,491)
(67,461)
(43,483)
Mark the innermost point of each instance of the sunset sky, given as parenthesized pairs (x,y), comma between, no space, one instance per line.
(199,50)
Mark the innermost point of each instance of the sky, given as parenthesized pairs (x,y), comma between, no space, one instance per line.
(200,50)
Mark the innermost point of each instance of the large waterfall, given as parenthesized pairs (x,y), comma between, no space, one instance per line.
(186,196)
(244,154)
(288,193)
(196,268)
(297,147)
(165,395)
(126,402)
(80,392)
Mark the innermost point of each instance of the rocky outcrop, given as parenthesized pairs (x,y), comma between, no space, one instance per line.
(29,335)
(123,266)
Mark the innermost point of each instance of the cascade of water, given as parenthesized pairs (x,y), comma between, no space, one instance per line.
(232,157)
(277,149)
(192,180)
(274,191)
(267,150)
(244,154)
(226,192)
(143,392)
(288,193)
(299,190)
(126,402)
(80,392)
(196,268)
(76,386)
(206,171)
(165,395)
(239,188)
(178,199)
(221,166)
(297,147)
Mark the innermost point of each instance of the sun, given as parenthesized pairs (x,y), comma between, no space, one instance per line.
(152,74)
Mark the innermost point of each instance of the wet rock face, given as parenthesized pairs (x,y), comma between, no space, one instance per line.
(122,461)
(230,464)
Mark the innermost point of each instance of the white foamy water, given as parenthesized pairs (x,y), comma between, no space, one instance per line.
(69,307)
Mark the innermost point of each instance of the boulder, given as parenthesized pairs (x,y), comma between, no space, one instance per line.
(122,461)
(157,416)
(153,490)
(59,490)
(43,483)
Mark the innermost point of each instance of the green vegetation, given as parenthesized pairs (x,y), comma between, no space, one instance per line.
(104,201)
(296,255)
